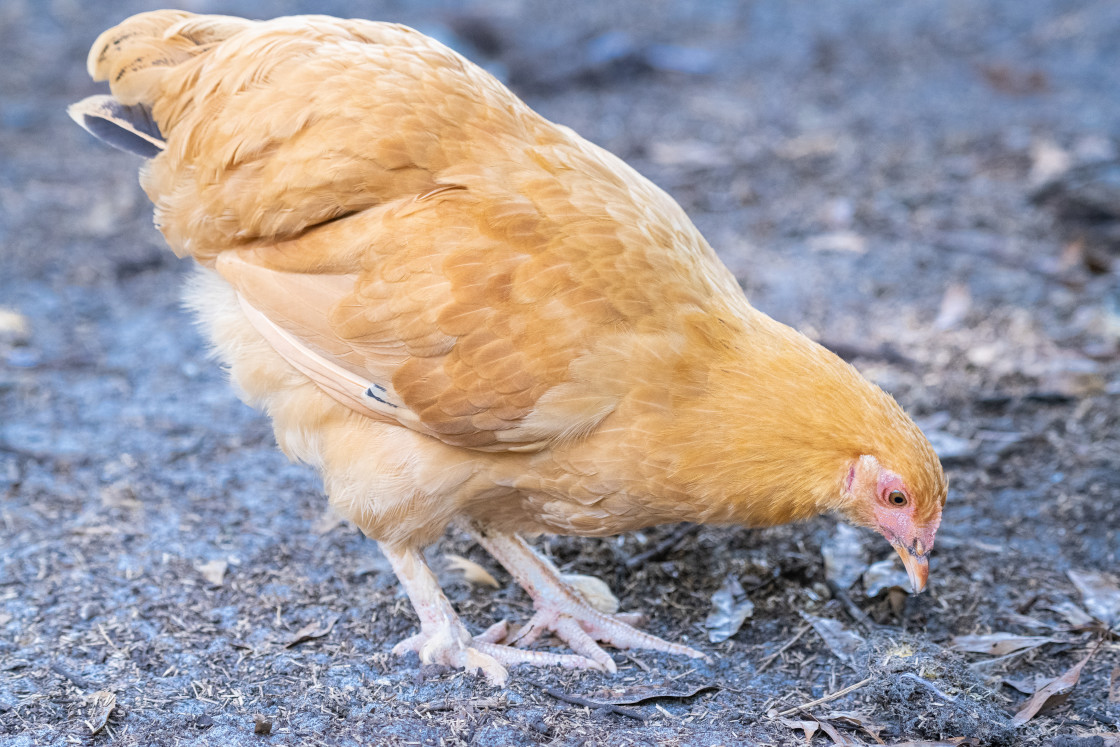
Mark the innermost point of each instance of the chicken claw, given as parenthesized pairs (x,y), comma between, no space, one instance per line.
(443,639)
(560,609)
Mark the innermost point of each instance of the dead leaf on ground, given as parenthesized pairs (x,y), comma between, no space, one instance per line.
(1052,694)
(1027,685)
(807,726)
(312,630)
(845,556)
(885,575)
(1100,595)
(999,644)
(1073,614)
(101,705)
(838,737)
(1114,685)
(858,720)
(638,695)
(730,608)
(842,642)
(214,572)
(472,572)
(595,591)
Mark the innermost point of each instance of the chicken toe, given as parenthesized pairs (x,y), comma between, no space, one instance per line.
(561,610)
(443,639)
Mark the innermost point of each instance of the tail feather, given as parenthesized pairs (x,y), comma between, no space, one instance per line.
(128,128)
(134,55)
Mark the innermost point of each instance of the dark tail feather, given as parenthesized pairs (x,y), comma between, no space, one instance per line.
(128,128)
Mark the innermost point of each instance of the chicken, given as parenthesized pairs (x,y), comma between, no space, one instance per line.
(461,313)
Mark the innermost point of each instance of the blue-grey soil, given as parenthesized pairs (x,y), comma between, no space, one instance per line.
(930,188)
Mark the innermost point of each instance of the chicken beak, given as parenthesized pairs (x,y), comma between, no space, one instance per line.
(917,567)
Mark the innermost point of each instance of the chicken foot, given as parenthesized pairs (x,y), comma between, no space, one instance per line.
(443,639)
(561,609)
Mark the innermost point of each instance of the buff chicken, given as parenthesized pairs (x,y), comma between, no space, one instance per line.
(461,313)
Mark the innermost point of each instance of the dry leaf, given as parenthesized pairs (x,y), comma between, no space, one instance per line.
(837,736)
(312,630)
(1027,685)
(101,704)
(858,720)
(730,608)
(842,642)
(1100,594)
(472,572)
(1073,614)
(999,644)
(809,727)
(1114,685)
(885,575)
(594,591)
(845,556)
(1053,694)
(214,572)
(642,694)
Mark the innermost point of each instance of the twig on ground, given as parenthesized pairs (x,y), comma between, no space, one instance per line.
(827,698)
(770,659)
(663,547)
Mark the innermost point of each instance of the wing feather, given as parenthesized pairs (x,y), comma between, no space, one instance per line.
(405,231)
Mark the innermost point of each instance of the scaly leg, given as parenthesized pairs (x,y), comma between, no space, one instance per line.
(561,609)
(443,639)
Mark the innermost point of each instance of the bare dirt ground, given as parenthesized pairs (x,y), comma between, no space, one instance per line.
(931,188)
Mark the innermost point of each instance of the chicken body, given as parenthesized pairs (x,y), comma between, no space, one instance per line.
(458,311)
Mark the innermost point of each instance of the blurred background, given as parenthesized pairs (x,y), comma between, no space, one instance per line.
(930,187)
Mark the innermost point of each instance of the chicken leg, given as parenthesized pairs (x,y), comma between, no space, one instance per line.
(561,609)
(443,639)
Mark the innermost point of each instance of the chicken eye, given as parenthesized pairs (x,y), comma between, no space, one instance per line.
(897,498)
